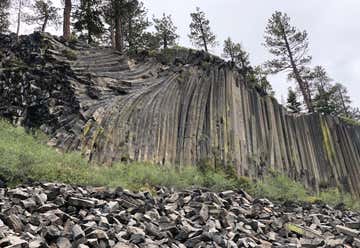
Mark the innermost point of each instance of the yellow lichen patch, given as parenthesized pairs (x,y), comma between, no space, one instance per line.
(326,138)
(294,228)
(86,128)
(96,135)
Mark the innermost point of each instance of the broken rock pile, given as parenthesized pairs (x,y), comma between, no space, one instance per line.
(59,215)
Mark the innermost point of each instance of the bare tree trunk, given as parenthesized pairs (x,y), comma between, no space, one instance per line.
(119,41)
(66,24)
(19,20)
(304,86)
(203,38)
(44,24)
(112,34)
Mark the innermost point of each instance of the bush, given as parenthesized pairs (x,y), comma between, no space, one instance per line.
(279,187)
(334,196)
(350,121)
(70,55)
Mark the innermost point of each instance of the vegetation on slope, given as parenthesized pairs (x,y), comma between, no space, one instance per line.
(25,158)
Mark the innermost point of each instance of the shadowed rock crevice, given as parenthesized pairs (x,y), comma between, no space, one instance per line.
(177,108)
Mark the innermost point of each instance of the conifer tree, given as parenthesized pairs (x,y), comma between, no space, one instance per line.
(261,80)
(4,15)
(236,54)
(290,47)
(135,24)
(44,12)
(88,18)
(117,15)
(200,32)
(293,105)
(342,100)
(322,90)
(165,30)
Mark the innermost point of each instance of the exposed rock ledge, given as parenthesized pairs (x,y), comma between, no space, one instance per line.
(64,216)
(112,108)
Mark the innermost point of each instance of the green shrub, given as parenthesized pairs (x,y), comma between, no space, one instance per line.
(334,196)
(350,121)
(279,187)
(70,55)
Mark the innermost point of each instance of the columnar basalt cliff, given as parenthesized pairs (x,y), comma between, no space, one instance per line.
(192,107)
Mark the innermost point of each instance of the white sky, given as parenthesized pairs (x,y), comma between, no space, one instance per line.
(333,27)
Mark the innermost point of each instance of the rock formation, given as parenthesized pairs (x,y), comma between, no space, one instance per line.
(179,109)
(64,216)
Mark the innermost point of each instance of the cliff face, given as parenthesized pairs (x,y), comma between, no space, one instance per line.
(197,108)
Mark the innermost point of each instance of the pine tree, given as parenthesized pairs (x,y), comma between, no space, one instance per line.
(135,25)
(322,90)
(66,21)
(44,13)
(261,80)
(4,15)
(342,100)
(293,105)
(200,32)
(88,18)
(165,30)
(236,54)
(120,15)
(150,41)
(290,47)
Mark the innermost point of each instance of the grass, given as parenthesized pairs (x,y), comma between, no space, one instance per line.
(25,157)
(281,188)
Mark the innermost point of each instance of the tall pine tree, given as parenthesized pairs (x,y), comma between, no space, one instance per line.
(135,24)
(44,13)
(165,30)
(322,90)
(118,14)
(342,100)
(290,47)
(88,19)
(200,32)
(236,54)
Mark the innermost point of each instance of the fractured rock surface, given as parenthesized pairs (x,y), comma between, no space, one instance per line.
(119,218)
(196,107)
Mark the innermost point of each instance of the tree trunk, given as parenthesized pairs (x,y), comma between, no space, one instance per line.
(112,34)
(304,86)
(205,44)
(44,24)
(66,24)
(19,20)
(203,38)
(165,42)
(119,42)
(343,103)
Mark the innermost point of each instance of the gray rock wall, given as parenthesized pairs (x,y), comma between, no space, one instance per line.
(195,108)
(209,114)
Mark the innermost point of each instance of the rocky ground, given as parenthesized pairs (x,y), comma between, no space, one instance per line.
(58,215)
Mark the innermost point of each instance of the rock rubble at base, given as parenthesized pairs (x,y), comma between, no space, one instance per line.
(64,216)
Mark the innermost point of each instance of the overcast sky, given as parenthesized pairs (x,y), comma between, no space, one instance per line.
(333,27)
